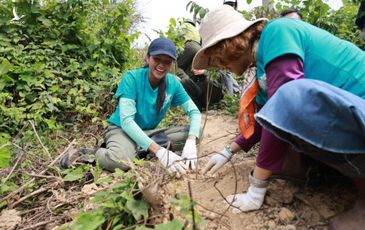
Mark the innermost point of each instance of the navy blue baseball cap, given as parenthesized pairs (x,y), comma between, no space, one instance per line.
(162,46)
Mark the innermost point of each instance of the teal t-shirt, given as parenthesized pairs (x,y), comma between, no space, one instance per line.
(325,57)
(135,85)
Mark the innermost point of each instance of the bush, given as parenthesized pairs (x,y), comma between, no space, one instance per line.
(61,61)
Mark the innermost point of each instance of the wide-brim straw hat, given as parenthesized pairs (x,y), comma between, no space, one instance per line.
(222,23)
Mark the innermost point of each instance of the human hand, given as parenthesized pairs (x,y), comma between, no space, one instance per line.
(217,161)
(171,161)
(198,71)
(189,153)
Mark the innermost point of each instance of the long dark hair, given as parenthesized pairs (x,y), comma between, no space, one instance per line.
(161,92)
(161,95)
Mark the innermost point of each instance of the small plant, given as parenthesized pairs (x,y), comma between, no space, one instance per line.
(230,104)
(4,150)
(185,205)
(174,117)
(119,207)
(75,174)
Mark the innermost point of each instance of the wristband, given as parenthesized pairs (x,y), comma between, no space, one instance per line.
(228,149)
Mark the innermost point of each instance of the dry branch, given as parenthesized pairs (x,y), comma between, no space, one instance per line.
(20,189)
(192,205)
(40,190)
(39,139)
(16,164)
(34,226)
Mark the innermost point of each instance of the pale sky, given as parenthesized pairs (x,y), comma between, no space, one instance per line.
(157,13)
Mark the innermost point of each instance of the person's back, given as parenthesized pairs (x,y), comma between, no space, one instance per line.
(291,13)
(315,47)
(232,3)
(191,46)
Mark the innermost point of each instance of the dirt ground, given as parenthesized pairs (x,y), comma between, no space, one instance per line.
(287,205)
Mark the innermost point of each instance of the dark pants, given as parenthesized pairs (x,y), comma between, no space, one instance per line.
(360,17)
(120,150)
(200,89)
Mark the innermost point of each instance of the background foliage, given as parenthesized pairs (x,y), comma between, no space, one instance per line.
(60,61)
(340,22)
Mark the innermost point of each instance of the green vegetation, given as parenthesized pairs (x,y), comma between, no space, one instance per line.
(116,207)
(340,22)
(60,63)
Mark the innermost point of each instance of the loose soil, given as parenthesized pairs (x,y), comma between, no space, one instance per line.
(288,205)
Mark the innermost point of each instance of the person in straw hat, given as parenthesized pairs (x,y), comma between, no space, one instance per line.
(309,89)
(291,13)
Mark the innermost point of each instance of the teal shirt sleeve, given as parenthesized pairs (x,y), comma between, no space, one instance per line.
(194,116)
(129,126)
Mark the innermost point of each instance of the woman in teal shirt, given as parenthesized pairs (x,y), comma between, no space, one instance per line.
(144,95)
(309,89)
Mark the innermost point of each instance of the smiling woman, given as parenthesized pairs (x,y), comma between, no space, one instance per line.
(144,96)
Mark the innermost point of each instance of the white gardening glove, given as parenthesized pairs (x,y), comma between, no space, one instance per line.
(218,160)
(252,200)
(171,161)
(189,153)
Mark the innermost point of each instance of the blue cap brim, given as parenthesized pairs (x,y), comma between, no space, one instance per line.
(159,52)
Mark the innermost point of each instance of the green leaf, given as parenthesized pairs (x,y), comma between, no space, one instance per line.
(89,221)
(5,67)
(46,22)
(7,186)
(119,226)
(3,204)
(76,174)
(174,224)
(118,173)
(51,123)
(143,228)
(104,180)
(138,208)
(97,172)
(31,80)
(249,2)
(4,150)
(4,156)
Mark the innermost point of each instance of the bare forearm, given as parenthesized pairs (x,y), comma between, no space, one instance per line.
(235,147)
(153,148)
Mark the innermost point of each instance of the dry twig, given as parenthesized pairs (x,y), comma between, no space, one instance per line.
(16,164)
(39,139)
(40,190)
(192,205)
(235,191)
(34,226)
(12,194)
(215,139)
